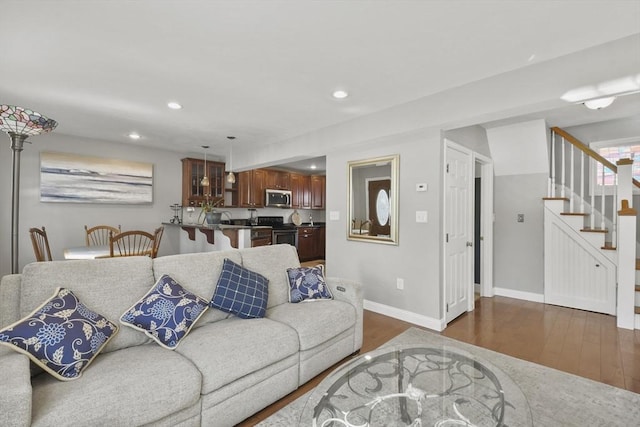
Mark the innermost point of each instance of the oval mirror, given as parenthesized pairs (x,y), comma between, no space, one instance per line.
(373,201)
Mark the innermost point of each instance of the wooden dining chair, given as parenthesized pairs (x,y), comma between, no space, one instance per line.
(157,238)
(131,243)
(99,235)
(40,243)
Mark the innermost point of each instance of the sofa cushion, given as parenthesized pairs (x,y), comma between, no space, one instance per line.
(241,291)
(199,273)
(62,336)
(133,386)
(307,284)
(166,313)
(109,286)
(315,323)
(272,262)
(230,349)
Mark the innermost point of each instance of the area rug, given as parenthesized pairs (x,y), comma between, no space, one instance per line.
(556,398)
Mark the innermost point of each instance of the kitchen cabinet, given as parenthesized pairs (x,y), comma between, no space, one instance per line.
(251,186)
(311,243)
(300,191)
(193,193)
(279,180)
(318,191)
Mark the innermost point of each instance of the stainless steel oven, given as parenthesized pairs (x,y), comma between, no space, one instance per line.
(285,235)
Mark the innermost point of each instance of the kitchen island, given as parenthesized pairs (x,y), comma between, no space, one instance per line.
(216,237)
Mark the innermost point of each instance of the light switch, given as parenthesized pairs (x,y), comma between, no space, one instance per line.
(334,215)
(421,216)
(422,187)
(520,217)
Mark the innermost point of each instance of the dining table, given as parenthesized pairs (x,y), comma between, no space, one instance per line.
(87,252)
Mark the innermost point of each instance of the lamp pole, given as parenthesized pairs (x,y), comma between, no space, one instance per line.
(17,142)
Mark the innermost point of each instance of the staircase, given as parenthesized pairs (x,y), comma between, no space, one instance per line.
(590,245)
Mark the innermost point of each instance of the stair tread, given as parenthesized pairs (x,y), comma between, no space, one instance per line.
(638,264)
(608,247)
(574,213)
(637,310)
(637,288)
(594,230)
(556,198)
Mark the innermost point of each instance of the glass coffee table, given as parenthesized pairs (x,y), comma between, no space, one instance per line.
(414,386)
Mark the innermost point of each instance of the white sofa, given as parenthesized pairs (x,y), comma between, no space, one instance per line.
(225,370)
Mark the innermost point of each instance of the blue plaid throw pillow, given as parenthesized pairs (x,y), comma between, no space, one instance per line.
(166,313)
(240,291)
(62,336)
(307,284)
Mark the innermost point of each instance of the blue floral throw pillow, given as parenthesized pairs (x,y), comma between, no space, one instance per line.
(166,313)
(240,291)
(307,284)
(62,336)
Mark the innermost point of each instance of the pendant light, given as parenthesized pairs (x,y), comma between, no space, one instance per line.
(231,178)
(205,179)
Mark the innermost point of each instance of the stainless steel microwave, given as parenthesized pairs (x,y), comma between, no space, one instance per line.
(278,198)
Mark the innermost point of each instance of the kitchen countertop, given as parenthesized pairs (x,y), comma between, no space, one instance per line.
(217,226)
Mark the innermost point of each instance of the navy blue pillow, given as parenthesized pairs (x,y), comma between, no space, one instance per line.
(240,291)
(62,336)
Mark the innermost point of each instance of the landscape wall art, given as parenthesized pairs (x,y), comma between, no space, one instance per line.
(73,178)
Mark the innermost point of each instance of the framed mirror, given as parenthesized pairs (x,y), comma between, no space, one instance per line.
(373,200)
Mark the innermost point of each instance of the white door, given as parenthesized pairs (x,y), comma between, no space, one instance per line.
(458,231)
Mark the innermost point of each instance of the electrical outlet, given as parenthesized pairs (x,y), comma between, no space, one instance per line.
(334,215)
(400,283)
(421,216)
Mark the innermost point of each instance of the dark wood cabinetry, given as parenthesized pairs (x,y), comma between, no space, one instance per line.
(251,186)
(318,191)
(279,180)
(311,243)
(300,191)
(193,192)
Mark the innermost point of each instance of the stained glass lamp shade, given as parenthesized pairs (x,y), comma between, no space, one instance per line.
(20,123)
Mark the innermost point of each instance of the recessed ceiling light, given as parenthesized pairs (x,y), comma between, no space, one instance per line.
(340,94)
(134,135)
(313,166)
(174,105)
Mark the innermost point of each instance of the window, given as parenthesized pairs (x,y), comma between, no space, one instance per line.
(614,151)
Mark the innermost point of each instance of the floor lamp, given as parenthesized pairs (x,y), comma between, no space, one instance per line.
(20,123)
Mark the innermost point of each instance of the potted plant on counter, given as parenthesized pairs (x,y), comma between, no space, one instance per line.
(211,215)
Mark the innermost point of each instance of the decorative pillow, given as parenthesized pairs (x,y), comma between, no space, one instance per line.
(62,336)
(166,313)
(240,291)
(307,284)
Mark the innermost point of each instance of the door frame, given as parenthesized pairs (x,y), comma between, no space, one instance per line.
(486,224)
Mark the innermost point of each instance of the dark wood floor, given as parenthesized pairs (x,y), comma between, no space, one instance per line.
(579,342)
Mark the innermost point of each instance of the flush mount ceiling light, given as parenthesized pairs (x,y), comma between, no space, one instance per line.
(20,123)
(174,105)
(340,94)
(602,94)
(134,135)
(231,178)
(599,103)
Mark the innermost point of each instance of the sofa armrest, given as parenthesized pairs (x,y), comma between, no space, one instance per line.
(15,393)
(351,292)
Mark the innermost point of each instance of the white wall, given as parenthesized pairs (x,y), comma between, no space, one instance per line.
(65,221)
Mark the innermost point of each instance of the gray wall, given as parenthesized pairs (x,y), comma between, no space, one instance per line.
(65,221)
(518,246)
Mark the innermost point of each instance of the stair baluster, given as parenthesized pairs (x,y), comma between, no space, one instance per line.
(592,214)
(572,189)
(562,186)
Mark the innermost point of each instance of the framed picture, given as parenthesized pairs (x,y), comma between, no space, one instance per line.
(73,178)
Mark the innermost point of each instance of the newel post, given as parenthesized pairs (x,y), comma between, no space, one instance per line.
(626,247)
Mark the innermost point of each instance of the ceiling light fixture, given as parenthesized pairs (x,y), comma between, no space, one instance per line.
(20,123)
(599,103)
(313,166)
(340,94)
(134,135)
(174,105)
(231,178)
(205,179)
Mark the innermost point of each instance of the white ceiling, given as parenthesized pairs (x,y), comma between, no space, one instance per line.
(264,71)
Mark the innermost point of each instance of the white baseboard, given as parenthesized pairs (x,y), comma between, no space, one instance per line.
(404,315)
(511,293)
